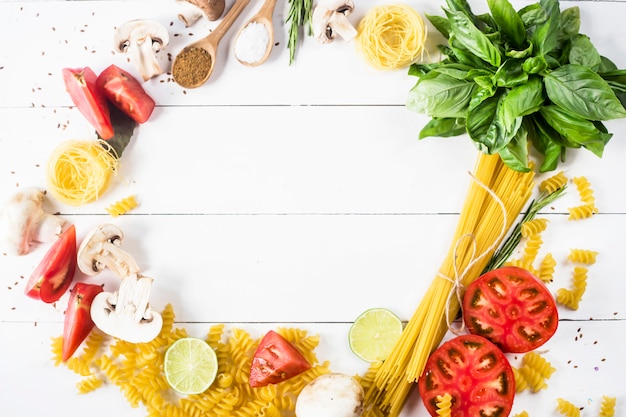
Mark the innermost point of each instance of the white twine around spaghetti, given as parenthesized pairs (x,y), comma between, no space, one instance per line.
(458,287)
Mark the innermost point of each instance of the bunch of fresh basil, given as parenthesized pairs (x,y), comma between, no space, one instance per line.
(510,78)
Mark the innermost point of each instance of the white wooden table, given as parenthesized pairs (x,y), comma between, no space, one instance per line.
(282,195)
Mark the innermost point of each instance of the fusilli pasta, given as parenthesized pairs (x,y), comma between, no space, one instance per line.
(546,268)
(122,206)
(582,256)
(534,226)
(444,405)
(607,408)
(553,183)
(567,408)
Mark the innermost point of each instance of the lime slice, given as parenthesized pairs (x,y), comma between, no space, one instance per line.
(190,365)
(374,334)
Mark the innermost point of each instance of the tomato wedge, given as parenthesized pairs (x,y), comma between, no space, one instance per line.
(512,308)
(55,272)
(275,360)
(78,322)
(126,93)
(81,85)
(475,373)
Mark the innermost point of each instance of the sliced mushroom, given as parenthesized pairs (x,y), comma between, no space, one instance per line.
(23,221)
(192,10)
(330,17)
(142,39)
(126,313)
(101,249)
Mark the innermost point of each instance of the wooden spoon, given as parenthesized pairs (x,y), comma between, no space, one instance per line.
(202,53)
(264,17)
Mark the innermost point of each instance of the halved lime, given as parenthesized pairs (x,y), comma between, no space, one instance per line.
(374,333)
(190,365)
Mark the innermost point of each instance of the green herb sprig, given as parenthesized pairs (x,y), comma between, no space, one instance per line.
(299,16)
(511,79)
(515,237)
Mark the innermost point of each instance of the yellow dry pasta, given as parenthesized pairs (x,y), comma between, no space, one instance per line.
(122,206)
(391,37)
(88,384)
(444,405)
(584,190)
(553,183)
(521,414)
(567,298)
(79,171)
(57,350)
(531,249)
(534,226)
(607,407)
(581,212)
(567,408)
(582,256)
(547,268)
(539,363)
(136,369)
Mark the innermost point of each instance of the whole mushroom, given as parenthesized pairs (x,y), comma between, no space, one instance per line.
(23,221)
(192,10)
(142,39)
(330,17)
(331,395)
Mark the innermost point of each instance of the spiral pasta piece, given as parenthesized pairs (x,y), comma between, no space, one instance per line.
(582,256)
(553,183)
(547,268)
(584,190)
(531,249)
(581,212)
(534,226)
(567,298)
(444,405)
(391,37)
(88,384)
(122,206)
(522,414)
(607,407)
(567,408)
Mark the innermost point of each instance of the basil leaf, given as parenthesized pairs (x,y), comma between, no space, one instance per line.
(515,153)
(581,91)
(533,15)
(546,141)
(545,36)
(522,100)
(472,39)
(510,74)
(582,52)
(439,95)
(606,65)
(123,128)
(485,127)
(521,53)
(569,22)
(443,127)
(535,65)
(441,24)
(577,130)
(509,22)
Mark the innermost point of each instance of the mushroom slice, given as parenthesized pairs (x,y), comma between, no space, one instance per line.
(192,10)
(142,39)
(126,314)
(101,249)
(330,18)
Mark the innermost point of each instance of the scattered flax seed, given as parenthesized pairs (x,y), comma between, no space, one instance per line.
(603,360)
(12,308)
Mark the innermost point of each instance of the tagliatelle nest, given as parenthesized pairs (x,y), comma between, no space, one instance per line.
(79,171)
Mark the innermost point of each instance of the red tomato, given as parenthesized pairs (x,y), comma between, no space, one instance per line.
(475,373)
(276,360)
(55,272)
(512,308)
(123,90)
(81,85)
(78,322)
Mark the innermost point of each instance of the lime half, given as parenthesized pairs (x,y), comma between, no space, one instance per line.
(190,365)
(374,333)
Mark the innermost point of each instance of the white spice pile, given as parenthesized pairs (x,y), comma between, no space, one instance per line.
(252,43)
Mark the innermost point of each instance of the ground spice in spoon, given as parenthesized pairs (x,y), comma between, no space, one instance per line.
(191,67)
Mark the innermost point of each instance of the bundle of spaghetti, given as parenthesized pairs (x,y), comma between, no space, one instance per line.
(495,198)
(391,36)
(79,171)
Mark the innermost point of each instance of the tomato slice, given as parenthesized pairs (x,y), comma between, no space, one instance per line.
(54,274)
(81,85)
(125,92)
(78,322)
(275,360)
(475,373)
(512,308)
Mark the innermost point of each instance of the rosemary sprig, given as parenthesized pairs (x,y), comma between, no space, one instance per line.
(300,13)
(513,240)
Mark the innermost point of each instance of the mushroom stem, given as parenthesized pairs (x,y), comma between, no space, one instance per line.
(119,261)
(145,58)
(342,26)
(188,13)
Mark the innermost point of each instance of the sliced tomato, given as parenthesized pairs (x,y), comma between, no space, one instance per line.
(276,360)
(54,274)
(512,308)
(475,373)
(81,85)
(78,323)
(126,93)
